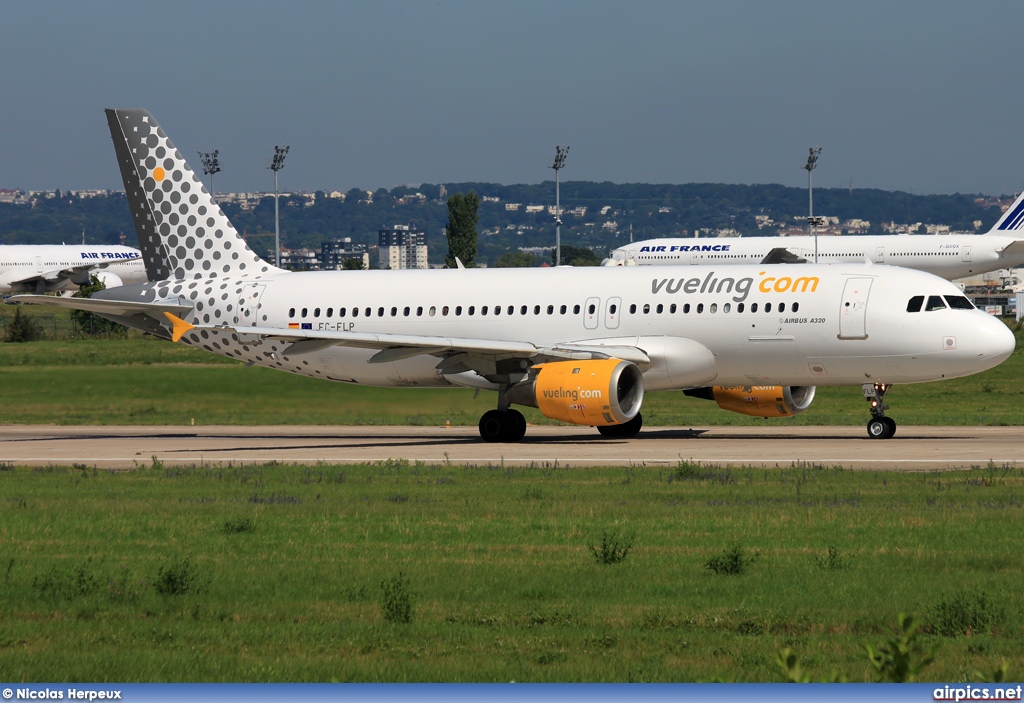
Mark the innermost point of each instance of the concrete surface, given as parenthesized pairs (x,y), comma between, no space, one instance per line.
(913,448)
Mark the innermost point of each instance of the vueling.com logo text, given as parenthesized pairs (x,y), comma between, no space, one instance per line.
(740,287)
(572,393)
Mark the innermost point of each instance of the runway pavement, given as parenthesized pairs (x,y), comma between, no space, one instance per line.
(913,448)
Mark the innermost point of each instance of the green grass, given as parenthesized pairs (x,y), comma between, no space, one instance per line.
(143,380)
(147,576)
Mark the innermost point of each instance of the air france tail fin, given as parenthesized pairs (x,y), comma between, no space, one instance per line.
(182,232)
(1011,224)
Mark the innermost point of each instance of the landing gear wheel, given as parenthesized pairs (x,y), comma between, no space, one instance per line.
(493,426)
(881,427)
(517,426)
(502,426)
(626,430)
(891,425)
(877,428)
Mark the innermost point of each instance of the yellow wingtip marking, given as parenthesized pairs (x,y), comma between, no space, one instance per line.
(180,327)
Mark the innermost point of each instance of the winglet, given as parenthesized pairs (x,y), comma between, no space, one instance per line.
(180,326)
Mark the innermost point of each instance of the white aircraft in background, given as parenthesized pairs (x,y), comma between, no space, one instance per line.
(44,268)
(950,256)
(581,344)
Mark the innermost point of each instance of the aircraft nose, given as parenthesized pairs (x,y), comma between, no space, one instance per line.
(994,341)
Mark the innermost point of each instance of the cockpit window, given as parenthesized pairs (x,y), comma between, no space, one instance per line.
(934,303)
(959,302)
(915,303)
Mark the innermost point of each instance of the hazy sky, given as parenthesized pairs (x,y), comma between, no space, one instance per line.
(917,96)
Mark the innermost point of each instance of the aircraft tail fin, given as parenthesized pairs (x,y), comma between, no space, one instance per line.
(182,232)
(1011,224)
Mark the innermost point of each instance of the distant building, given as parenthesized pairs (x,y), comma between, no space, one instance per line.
(402,248)
(334,254)
(299,259)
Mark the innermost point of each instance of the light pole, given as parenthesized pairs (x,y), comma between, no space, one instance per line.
(276,165)
(211,166)
(560,153)
(812,161)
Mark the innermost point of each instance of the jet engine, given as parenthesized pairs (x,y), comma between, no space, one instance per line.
(759,401)
(108,279)
(596,392)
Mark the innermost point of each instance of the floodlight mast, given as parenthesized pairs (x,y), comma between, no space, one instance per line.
(560,153)
(812,161)
(276,165)
(211,166)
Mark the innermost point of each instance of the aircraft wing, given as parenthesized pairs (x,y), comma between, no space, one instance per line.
(79,275)
(73,274)
(393,347)
(781,255)
(117,308)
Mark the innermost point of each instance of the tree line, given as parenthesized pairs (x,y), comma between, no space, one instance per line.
(653,210)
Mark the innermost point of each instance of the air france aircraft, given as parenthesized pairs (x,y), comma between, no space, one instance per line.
(45,268)
(581,344)
(949,256)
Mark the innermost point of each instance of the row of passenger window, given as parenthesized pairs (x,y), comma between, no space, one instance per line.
(646,309)
(936,302)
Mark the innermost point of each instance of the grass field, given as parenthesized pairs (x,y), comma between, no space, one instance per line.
(275,573)
(149,381)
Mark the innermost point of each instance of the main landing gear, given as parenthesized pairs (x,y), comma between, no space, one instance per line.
(879,426)
(502,426)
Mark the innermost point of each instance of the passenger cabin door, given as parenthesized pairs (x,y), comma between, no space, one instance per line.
(966,253)
(853,309)
(880,255)
(39,264)
(592,313)
(247,313)
(612,312)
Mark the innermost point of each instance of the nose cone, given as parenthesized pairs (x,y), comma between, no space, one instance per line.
(994,342)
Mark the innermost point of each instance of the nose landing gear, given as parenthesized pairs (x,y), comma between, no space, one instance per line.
(879,426)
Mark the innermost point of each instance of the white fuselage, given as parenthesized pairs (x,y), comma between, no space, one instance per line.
(777,325)
(56,267)
(948,256)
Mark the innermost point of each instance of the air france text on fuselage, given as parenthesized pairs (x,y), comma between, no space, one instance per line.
(741,287)
(685,247)
(109,255)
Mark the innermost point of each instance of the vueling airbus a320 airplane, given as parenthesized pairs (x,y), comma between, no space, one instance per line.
(582,345)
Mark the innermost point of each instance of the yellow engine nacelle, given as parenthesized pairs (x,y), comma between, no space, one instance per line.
(759,401)
(596,392)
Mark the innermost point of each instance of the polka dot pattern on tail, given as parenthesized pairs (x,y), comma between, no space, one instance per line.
(181,229)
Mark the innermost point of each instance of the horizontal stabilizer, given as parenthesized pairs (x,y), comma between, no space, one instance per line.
(116,308)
